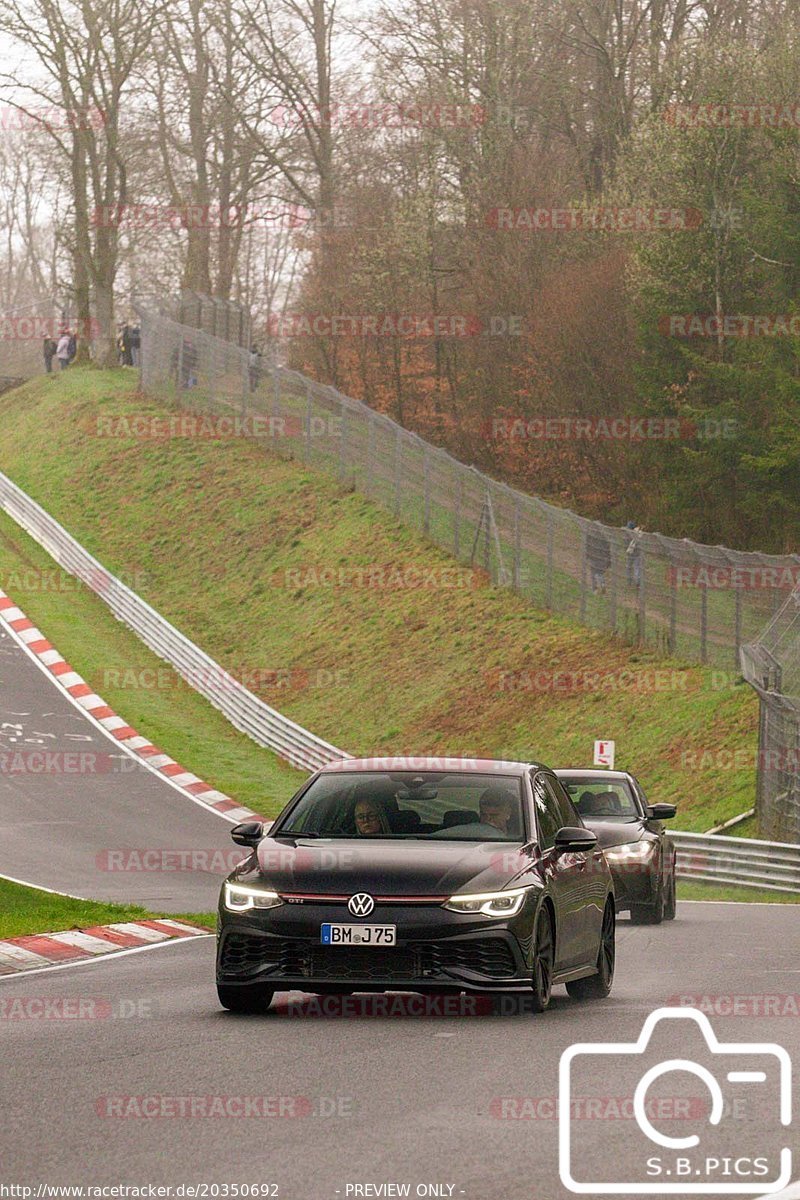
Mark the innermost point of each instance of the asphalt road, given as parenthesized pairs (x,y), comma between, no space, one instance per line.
(463,1102)
(71,800)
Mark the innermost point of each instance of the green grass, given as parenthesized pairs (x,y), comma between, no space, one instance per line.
(25,910)
(688,890)
(206,531)
(112,658)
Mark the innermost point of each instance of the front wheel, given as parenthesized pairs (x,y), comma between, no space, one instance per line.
(650,914)
(670,902)
(544,947)
(597,987)
(251,998)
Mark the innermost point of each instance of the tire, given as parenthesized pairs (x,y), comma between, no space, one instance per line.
(670,901)
(597,987)
(544,947)
(251,998)
(649,914)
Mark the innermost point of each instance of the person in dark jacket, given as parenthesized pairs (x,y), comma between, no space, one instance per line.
(72,349)
(598,556)
(49,350)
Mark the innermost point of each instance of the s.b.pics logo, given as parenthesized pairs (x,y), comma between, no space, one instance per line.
(725,1086)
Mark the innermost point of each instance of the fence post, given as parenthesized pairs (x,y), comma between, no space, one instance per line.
(246,371)
(370,452)
(516,571)
(343,443)
(398,453)
(487,533)
(426,467)
(583,577)
(457,505)
(309,414)
(673,610)
(704,624)
(737,625)
(549,602)
(612,588)
(274,403)
(642,595)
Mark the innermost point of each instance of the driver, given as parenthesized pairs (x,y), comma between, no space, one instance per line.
(370,818)
(496,806)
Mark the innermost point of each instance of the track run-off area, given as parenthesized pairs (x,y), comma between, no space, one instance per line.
(126,1071)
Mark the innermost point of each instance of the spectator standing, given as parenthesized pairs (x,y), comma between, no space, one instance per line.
(49,350)
(598,555)
(62,351)
(633,554)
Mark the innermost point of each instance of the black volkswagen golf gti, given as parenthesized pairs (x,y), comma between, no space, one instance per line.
(424,875)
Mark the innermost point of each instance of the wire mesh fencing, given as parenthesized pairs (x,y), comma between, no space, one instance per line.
(772,665)
(695,602)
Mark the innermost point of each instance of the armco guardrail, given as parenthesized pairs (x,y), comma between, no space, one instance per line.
(245,711)
(773,866)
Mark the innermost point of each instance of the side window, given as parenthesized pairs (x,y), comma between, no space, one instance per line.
(548,817)
(568,814)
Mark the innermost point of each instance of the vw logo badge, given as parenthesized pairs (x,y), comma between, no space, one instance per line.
(361,905)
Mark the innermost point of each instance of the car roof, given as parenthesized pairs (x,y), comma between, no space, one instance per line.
(477,766)
(592,773)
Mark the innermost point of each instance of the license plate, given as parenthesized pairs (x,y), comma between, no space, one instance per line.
(359,935)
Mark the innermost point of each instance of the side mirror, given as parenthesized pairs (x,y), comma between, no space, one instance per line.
(573,838)
(249,833)
(661,812)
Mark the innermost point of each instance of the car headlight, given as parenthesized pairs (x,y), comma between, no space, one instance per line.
(633,852)
(243,899)
(493,904)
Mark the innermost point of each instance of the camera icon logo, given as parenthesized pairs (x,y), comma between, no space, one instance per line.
(660,1158)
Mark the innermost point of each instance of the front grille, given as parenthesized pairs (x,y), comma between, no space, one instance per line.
(244,954)
(488,956)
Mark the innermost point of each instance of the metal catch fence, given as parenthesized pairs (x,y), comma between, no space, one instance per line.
(772,666)
(699,603)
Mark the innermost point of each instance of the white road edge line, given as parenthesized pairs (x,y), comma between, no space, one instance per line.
(52,891)
(16,976)
(120,745)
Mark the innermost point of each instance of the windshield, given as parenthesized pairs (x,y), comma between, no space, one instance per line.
(442,805)
(602,799)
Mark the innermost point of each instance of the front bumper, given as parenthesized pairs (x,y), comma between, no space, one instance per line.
(635,882)
(436,951)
